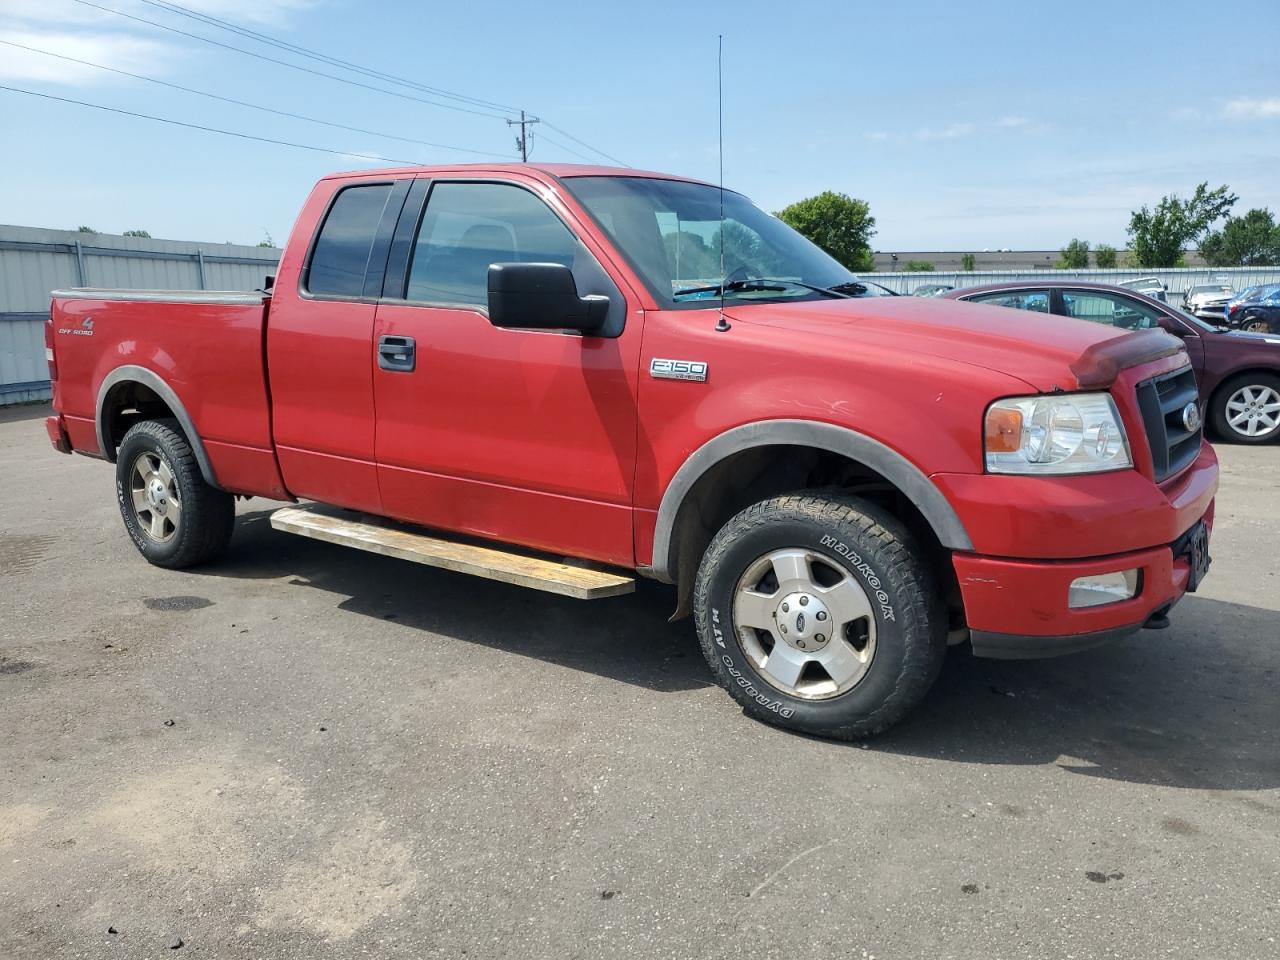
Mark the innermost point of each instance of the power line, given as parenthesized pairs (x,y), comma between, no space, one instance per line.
(292,66)
(566,133)
(197,126)
(301,51)
(252,106)
(566,148)
(346,64)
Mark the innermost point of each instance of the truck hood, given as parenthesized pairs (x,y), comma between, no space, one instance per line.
(1046,351)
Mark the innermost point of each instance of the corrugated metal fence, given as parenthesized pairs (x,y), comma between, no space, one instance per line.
(1177,281)
(34,261)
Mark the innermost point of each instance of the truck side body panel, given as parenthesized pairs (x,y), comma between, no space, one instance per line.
(208,353)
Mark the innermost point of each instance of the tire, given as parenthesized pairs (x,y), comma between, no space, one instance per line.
(1255,325)
(842,544)
(156,472)
(1254,400)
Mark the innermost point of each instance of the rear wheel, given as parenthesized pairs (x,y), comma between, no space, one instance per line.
(175,518)
(1255,325)
(817,613)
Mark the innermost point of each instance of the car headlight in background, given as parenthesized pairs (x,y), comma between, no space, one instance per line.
(1060,434)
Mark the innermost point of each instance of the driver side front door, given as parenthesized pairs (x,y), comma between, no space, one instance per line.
(521,436)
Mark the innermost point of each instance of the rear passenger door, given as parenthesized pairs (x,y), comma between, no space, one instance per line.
(525,436)
(320,342)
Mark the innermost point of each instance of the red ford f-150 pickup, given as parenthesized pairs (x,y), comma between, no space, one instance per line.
(544,374)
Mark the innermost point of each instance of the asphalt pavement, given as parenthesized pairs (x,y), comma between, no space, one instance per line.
(305,751)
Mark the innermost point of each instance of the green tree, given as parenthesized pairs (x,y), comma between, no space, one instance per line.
(837,223)
(1075,256)
(84,229)
(137,233)
(1159,236)
(919,266)
(265,243)
(1105,256)
(1249,241)
(968,262)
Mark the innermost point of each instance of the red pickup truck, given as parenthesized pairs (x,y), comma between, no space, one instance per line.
(564,376)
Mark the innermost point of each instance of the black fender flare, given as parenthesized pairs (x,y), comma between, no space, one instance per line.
(152,381)
(886,461)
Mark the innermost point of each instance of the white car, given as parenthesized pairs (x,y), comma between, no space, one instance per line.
(1208,300)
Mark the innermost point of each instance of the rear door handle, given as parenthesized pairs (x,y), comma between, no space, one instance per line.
(398,354)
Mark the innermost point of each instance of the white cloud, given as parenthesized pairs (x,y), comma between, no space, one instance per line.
(1012,123)
(955,131)
(98,36)
(119,50)
(877,135)
(1249,109)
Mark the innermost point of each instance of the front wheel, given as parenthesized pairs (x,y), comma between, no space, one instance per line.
(175,518)
(1247,408)
(816,612)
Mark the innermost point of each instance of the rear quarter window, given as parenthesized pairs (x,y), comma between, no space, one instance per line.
(340,255)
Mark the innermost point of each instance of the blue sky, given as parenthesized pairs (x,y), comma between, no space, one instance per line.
(965,125)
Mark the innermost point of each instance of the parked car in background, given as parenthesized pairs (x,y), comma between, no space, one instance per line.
(1207,300)
(1152,287)
(1238,372)
(1256,310)
(931,289)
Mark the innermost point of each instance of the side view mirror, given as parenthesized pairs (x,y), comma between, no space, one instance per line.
(541,296)
(1169,325)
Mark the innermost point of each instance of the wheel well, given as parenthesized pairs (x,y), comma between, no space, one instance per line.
(127,403)
(758,473)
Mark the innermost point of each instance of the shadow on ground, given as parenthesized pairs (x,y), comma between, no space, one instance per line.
(1194,706)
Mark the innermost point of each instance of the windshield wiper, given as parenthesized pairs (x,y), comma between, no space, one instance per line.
(853,288)
(774,284)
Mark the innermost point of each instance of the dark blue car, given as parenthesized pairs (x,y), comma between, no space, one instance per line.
(1256,310)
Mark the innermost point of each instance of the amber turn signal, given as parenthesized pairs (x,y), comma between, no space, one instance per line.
(1004,430)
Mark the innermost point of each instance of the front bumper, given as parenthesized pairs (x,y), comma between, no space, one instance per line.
(1019,608)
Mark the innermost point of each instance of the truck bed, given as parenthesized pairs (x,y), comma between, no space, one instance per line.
(204,346)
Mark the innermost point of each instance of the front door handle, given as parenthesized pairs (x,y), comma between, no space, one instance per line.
(398,354)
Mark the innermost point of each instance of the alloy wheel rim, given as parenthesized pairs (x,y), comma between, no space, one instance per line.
(805,623)
(153,490)
(1254,411)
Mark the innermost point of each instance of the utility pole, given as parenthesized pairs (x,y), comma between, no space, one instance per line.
(523,141)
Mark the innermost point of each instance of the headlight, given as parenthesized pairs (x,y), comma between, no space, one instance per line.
(1061,434)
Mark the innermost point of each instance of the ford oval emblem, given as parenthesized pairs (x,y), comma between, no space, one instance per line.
(1191,417)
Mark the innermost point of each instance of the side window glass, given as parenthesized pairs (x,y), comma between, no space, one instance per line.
(341,253)
(1115,311)
(469,226)
(1036,301)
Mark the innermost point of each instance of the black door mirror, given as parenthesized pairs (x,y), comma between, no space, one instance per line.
(541,296)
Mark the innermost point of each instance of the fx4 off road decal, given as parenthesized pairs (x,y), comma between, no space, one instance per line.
(749,688)
(846,551)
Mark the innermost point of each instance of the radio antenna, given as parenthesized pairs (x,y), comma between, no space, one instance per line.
(722,324)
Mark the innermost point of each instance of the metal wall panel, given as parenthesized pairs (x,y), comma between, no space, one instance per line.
(34,261)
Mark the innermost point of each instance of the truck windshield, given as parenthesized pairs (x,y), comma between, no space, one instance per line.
(670,231)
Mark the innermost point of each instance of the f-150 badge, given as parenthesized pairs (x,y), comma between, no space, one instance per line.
(678,369)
